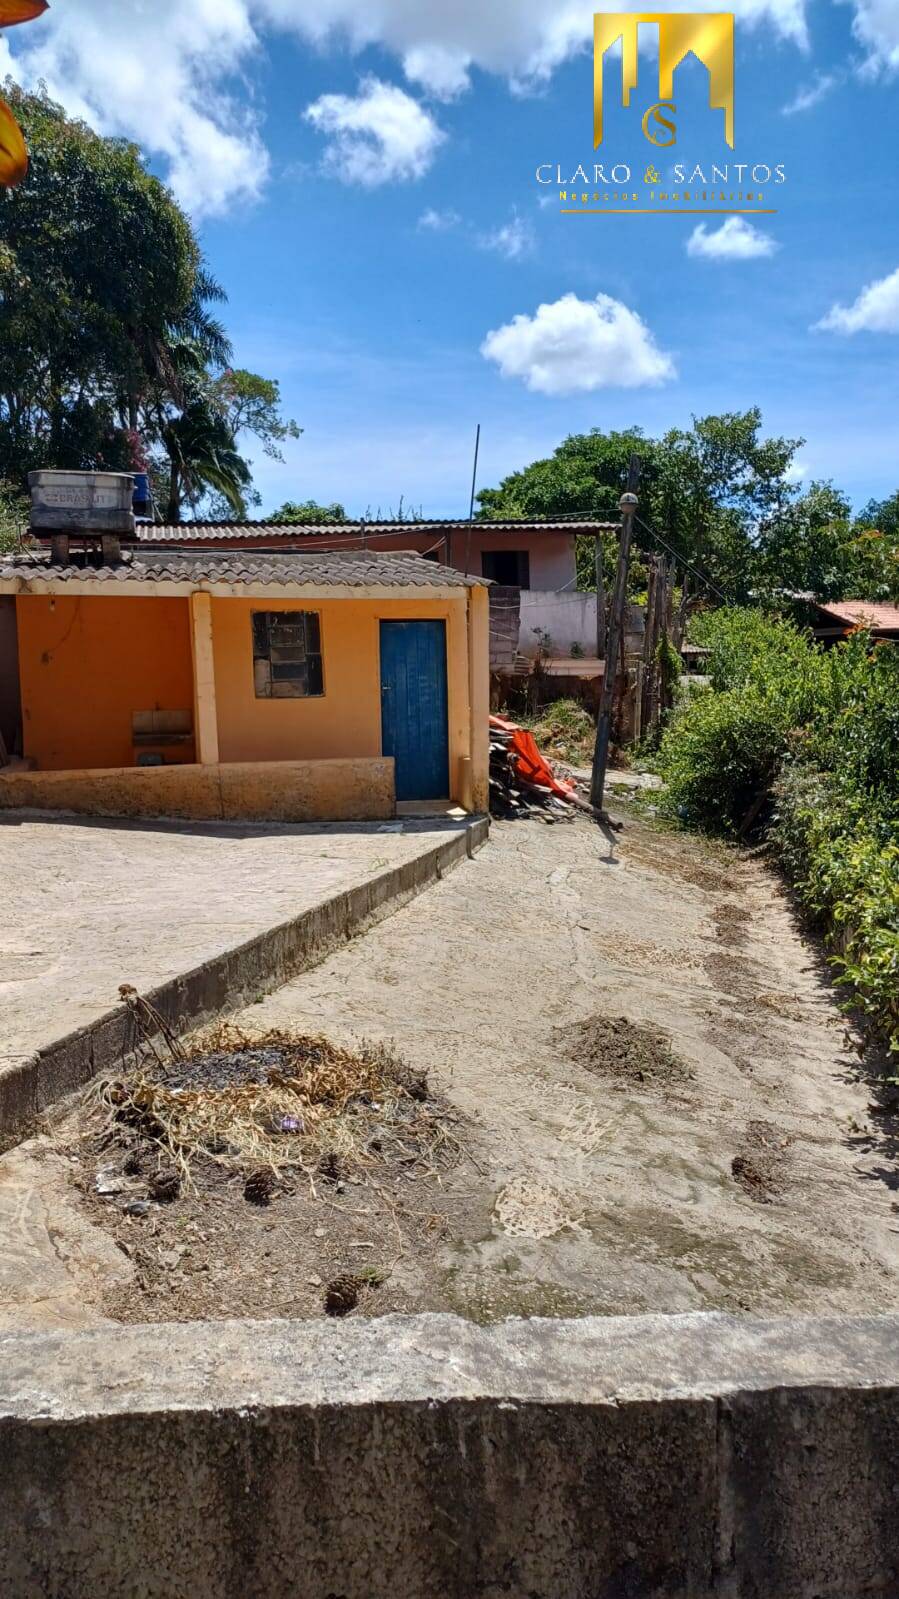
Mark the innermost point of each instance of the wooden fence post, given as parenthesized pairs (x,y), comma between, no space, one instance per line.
(615,638)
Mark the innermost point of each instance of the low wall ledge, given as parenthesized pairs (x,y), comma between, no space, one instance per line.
(592,1360)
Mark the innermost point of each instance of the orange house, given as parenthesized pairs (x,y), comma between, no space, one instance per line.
(290,687)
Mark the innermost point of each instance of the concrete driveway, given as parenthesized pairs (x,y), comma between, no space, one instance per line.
(90,904)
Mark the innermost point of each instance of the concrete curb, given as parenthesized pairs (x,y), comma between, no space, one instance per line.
(225,981)
(657,1457)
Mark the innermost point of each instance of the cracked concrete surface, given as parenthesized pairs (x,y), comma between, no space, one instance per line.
(758,1182)
(629,1198)
(88,904)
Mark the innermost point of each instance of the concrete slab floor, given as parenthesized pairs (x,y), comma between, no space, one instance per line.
(762,1182)
(758,1181)
(88,904)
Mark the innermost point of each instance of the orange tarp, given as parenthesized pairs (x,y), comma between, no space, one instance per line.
(528,763)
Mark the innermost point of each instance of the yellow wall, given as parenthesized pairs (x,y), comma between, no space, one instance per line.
(346,720)
(279,791)
(87,663)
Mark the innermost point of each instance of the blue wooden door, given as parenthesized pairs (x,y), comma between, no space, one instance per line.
(414,724)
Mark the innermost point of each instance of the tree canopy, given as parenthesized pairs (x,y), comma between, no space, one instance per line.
(111,354)
(309,512)
(721,495)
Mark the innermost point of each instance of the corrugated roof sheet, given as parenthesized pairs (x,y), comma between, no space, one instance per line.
(878,614)
(186,532)
(346,568)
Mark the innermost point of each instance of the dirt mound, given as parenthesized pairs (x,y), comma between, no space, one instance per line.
(280,1101)
(616,1047)
(249,1173)
(758,1167)
(731,923)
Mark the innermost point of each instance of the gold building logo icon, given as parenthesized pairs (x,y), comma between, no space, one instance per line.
(708,37)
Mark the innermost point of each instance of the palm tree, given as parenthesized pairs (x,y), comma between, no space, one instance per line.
(203,455)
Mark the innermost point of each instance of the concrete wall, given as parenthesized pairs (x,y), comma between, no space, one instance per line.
(679,1457)
(87,663)
(346,719)
(551,554)
(274,791)
(569,618)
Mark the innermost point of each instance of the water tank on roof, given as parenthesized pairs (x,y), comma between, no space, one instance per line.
(88,503)
(141,503)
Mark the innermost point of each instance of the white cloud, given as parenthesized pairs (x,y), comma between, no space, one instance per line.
(875,311)
(796,471)
(444,73)
(168,73)
(434,221)
(735,240)
(574,345)
(513,239)
(380,136)
(155,73)
(439,44)
(876,27)
(813,93)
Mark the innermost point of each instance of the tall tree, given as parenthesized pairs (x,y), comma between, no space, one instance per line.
(111,351)
(706,491)
(97,265)
(806,547)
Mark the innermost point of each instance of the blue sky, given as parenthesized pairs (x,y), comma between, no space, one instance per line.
(363,176)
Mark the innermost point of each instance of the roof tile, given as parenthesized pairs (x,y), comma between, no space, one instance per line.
(191,532)
(875,614)
(346,568)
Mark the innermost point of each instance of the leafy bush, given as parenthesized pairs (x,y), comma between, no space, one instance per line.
(727,744)
(14,516)
(813,734)
(843,859)
(565,731)
(719,751)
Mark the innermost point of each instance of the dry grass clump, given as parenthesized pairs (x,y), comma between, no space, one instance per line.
(565,731)
(277,1102)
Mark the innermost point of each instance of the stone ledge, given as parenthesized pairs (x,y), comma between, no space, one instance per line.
(682,1457)
(343,789)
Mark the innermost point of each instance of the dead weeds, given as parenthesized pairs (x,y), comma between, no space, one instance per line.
(276,1103)
(249,1173)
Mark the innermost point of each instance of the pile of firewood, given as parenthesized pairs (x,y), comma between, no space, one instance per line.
(513,796)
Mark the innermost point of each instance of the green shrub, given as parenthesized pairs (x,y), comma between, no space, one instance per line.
(842,856)
(817,732)
(719,751)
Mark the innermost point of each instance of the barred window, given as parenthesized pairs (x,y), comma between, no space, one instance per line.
(287,655)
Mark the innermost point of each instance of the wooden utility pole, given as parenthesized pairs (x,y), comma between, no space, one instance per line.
(474,484)
(628,508)
(600,599)
(652,591)
(680,618)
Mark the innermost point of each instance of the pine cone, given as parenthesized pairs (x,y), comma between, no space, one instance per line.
(164,1186)
(259,1186)
(342,1295)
